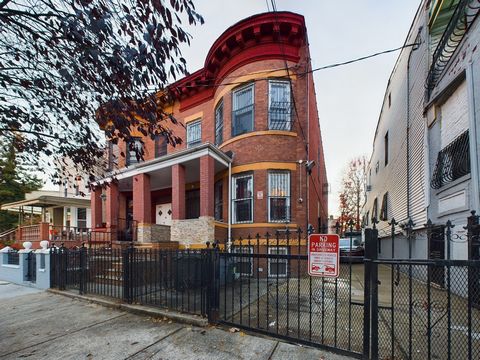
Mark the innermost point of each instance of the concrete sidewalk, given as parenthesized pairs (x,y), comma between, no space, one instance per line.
(40,325)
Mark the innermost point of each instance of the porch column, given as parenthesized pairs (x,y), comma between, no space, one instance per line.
(207,175)
(96,207)
(112,205)
(178,192)
(142,199)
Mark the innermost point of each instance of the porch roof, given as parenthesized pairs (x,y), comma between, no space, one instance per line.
(45,199)
(185,156)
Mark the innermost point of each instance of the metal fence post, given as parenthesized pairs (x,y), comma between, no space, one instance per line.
(370,315)
(213,288)
(127,274)
(83,262)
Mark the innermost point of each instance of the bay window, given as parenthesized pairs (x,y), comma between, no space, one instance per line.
(219,124)
(279,196)
(277,267)
(242,110)
(242,199)
(279,105)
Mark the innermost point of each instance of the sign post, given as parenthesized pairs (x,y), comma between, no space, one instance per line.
(323,255)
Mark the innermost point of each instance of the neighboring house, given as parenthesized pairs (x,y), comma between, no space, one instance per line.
(58,216)
(247,138)
(425,162)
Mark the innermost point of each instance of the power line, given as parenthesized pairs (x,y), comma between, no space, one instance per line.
(325,67)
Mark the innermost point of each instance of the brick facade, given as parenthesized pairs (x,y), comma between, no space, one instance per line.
(253,57)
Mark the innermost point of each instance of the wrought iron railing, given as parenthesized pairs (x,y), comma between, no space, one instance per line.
(453,162)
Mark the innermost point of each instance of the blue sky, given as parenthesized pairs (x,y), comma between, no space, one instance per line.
(348,97)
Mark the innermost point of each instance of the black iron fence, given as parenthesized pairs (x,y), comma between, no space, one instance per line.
(265,287)
(376,308)
(173,279)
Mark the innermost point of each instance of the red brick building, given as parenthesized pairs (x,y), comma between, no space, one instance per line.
(251,160)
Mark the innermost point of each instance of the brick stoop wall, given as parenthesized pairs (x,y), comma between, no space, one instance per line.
(151,233)
(193,231)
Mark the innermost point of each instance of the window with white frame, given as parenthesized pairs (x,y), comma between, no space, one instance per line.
(243,110)
(242,199)
(134,151)
(279,105)
(277,267)
(243,265)
(219,123)
(81,218)
(194,133)
(278,196)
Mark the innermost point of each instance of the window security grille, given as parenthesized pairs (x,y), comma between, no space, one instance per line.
(277,267)
(278,196)
(453,162)
(279,107)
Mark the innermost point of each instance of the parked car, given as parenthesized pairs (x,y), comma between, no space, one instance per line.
(351,246)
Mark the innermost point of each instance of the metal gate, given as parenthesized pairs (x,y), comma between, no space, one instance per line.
(31,267)
(265,287)
(376,309)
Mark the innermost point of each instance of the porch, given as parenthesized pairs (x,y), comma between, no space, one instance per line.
(168,199)
(46,215)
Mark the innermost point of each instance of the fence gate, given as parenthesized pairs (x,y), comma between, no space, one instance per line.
(265,287)
(31,267)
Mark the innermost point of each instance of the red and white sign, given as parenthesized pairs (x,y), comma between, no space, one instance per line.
(323,255)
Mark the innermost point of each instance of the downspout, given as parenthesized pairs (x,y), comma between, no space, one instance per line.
(408,141)
(408,151)
(229,242)
(473,139)
(307,176)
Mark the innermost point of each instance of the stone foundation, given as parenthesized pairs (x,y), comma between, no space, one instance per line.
(193,231)
(152,233)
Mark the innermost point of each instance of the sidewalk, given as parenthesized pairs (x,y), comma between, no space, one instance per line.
(36,324)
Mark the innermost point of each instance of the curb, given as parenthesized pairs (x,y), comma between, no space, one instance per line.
(138,309)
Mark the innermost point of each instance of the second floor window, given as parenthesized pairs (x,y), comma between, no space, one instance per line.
(279,105)
(386,149)
(134,151)
(242,199)
(194,133)
(242,110)
(160,145)
(219,124)
(279,196)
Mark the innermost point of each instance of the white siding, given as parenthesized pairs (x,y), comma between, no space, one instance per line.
(454,115)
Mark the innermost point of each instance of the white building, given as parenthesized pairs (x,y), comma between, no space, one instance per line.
(424,164)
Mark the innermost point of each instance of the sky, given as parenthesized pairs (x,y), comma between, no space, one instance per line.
(349,98)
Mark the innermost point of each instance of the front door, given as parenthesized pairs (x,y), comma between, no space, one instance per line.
(163,214)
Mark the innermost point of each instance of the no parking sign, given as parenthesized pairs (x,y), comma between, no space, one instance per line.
(323,255)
